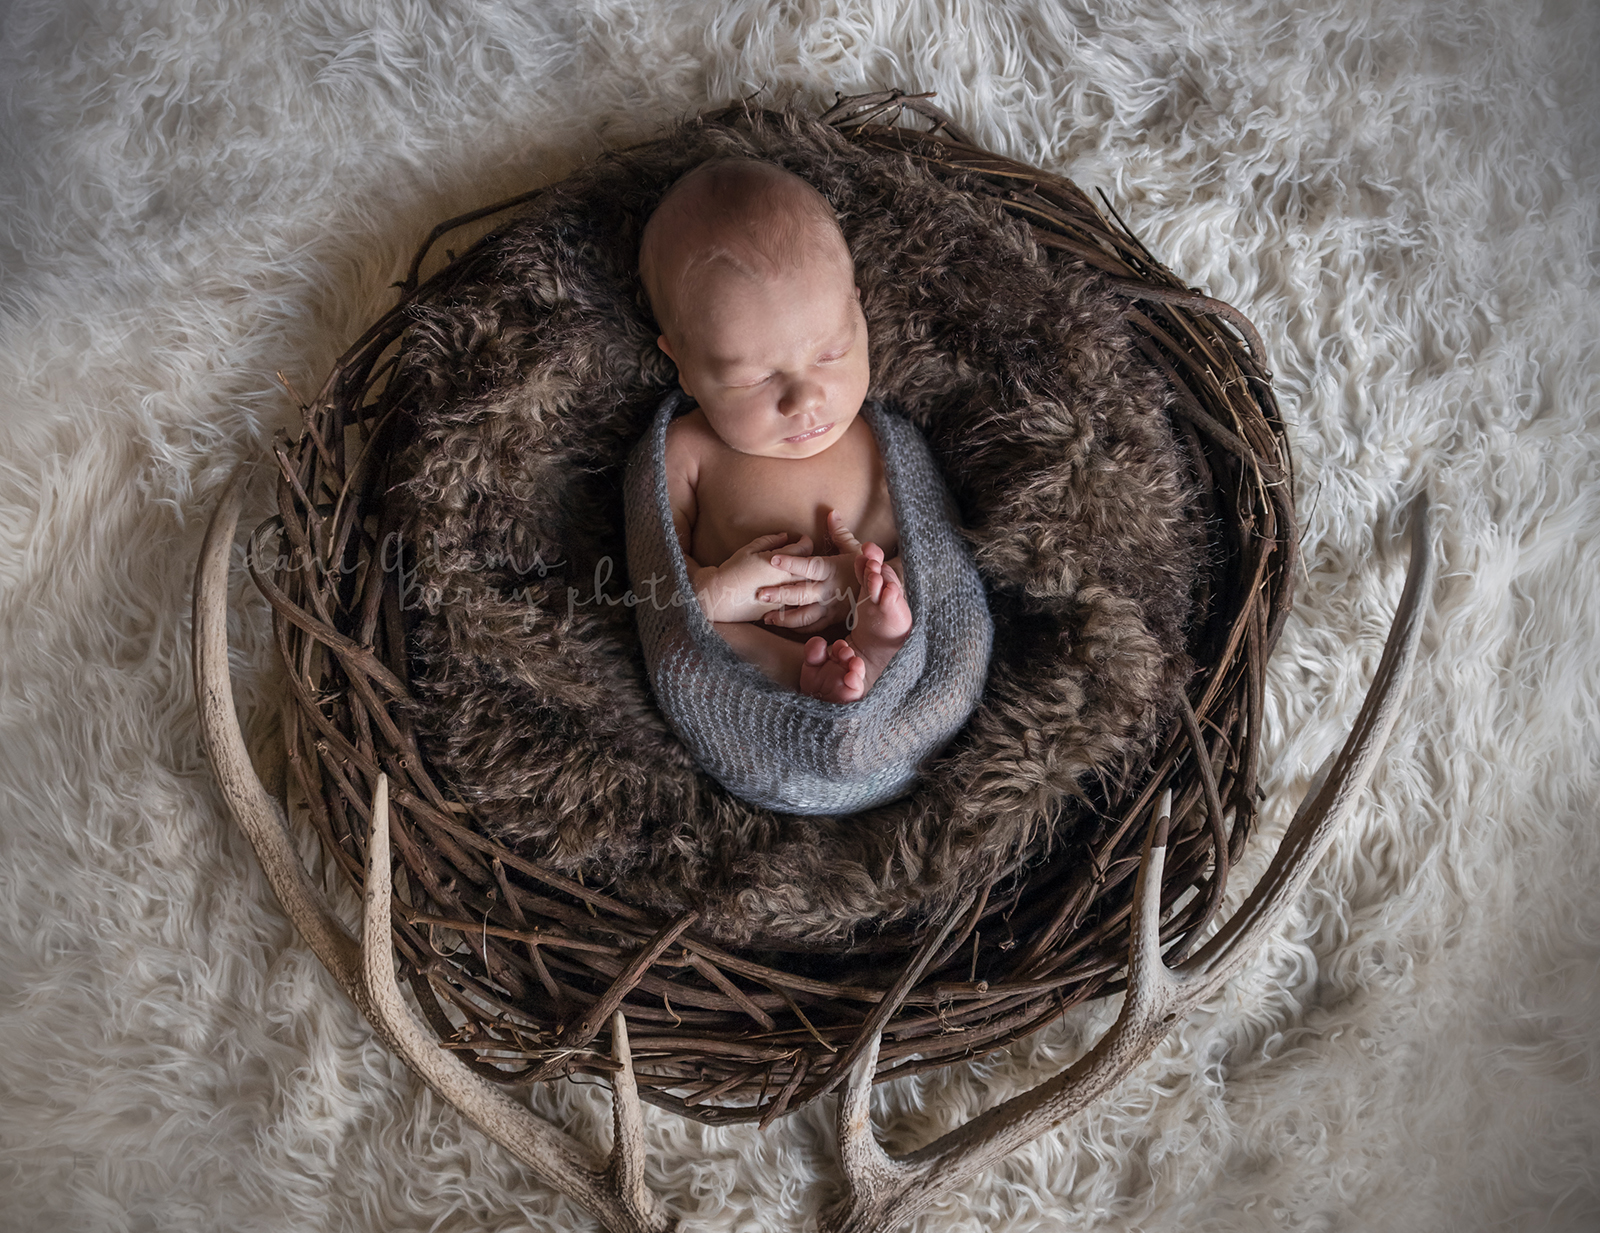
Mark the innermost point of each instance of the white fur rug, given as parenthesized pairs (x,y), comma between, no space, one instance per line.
(1404,197)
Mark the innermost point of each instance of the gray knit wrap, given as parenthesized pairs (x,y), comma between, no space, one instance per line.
(780,749)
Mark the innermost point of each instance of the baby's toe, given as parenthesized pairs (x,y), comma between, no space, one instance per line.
(872,584)
(894,609)
(816,651)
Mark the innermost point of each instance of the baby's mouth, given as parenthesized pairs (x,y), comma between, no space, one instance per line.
(809,434)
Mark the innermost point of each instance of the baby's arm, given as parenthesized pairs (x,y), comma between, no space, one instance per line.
(727,592)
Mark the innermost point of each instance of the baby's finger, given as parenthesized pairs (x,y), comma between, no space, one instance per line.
(796,618)
(789,593)
(817,569)
(844,539)
(763,543)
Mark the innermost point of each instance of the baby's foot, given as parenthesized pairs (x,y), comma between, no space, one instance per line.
(833,673)
(882,616)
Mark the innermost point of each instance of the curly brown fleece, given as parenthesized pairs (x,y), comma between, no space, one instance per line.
(529,385)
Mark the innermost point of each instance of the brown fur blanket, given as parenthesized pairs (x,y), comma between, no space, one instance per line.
(528,385)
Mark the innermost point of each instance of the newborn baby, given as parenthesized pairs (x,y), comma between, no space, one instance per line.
(826,631)
(776,484)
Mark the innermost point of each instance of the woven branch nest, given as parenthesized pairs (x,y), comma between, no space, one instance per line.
(518,964)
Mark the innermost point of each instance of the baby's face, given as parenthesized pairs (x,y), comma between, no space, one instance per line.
(778,364)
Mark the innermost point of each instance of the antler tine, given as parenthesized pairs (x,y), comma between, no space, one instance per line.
(626,1168)
(1338,782)
(1148,975)
(613,1190)
(867,1167)
(884,1191)
(259,816)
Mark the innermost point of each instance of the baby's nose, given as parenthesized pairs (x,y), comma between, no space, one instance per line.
(801,397)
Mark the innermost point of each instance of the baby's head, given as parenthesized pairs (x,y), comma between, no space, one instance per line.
(753,286)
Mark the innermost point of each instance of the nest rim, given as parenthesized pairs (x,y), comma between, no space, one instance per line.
(538,961)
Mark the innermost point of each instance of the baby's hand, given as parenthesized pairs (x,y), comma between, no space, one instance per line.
(825,591)
(727,592)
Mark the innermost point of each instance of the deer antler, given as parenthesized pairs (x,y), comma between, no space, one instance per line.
(611,1188)
(884,1191)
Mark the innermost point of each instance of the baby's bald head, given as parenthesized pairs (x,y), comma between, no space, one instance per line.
(733,216)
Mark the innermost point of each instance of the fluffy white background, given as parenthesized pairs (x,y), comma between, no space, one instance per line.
(1402,195)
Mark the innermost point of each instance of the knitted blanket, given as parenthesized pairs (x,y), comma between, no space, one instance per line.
(780,749)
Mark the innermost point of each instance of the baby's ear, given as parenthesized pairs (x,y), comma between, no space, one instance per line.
(661,341)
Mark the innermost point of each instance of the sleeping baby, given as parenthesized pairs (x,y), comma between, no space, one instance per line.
(753,287)
(826,630)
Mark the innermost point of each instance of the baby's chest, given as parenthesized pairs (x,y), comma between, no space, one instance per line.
(758,496)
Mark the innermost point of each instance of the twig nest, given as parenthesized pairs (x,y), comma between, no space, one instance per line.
(1123,480)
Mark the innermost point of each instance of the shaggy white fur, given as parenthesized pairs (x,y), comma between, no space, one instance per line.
(1403,195)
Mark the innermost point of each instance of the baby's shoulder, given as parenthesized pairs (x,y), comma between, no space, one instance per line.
(690,440)
(688,432)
